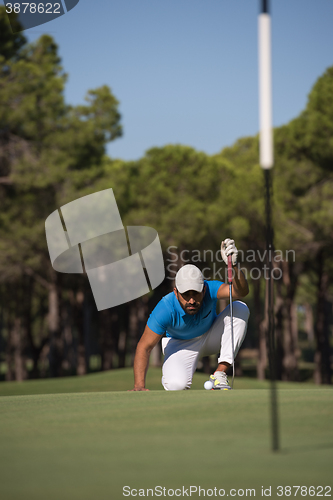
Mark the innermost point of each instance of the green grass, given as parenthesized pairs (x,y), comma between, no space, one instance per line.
(88,445)
(114,380)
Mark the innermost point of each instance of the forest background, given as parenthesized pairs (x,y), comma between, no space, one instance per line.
(52,153)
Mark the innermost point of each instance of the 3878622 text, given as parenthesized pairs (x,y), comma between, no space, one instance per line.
(303,491)
(33,8)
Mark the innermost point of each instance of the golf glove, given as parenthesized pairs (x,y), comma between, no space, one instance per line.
(228,247)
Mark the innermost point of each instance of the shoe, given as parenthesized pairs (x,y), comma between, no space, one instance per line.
(220,381)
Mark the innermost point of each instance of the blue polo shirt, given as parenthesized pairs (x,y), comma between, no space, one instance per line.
(169,317)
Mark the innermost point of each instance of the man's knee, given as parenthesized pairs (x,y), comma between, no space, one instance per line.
(174,384)
(241,310)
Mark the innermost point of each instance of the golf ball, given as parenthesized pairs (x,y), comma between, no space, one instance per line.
(208,385)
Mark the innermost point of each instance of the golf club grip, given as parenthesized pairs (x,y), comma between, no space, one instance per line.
(229,269)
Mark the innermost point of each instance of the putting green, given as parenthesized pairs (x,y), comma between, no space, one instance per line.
(91,445)
(116,380)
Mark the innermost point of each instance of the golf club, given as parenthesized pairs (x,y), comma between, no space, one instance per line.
(231,318)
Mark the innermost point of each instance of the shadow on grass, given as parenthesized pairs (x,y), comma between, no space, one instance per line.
(305,448)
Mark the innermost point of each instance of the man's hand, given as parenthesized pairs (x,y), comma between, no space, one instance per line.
(228,247)
(141,361)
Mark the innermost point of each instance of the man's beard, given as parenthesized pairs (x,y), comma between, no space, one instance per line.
(191,308)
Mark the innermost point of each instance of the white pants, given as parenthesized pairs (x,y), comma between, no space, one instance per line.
(182,356)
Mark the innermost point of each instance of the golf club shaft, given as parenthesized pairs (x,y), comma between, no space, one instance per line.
(231,317)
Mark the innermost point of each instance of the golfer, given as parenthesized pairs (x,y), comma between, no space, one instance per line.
(188,318)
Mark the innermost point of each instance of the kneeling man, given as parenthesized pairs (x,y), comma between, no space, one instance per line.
(193,329)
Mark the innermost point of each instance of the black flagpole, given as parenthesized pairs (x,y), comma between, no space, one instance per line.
(266,162)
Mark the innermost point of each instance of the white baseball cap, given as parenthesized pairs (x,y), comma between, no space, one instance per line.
(189,277)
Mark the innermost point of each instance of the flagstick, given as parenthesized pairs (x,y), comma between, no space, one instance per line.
(266,162)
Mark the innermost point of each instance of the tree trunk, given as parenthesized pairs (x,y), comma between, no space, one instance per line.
(10,375)
(69,362)
(262,325)
(18,348)
(290,368)
(88,307)
(35,350)
(308,326)
(278,310)
(107,341)
(40,354)
(323,372)
(81,367)
(123,328)
(133,331)
(56,340)
(15,350)
(290,332)
(137,320)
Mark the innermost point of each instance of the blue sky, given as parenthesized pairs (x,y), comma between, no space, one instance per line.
(186,71)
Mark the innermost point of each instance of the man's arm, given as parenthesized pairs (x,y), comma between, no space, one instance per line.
(141,361)
(240,288)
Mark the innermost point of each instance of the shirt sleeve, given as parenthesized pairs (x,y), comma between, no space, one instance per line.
(214,286)
(160,318)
